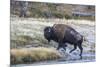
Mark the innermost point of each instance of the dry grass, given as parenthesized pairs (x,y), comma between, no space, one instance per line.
(29,55)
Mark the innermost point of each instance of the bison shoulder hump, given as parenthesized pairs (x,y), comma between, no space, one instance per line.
(59,30)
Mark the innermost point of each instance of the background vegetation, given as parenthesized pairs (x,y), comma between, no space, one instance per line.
(52,10)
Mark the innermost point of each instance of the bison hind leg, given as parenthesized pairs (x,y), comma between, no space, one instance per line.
(81,50)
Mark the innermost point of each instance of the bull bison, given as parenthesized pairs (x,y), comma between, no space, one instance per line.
(63,34)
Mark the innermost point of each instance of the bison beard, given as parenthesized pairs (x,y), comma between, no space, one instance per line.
(64,34)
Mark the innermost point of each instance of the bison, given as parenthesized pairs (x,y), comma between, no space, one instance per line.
(63,34)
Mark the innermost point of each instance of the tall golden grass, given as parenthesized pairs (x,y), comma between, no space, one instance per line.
(29,55)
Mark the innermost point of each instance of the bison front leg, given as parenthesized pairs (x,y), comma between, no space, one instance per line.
(59,46)
(62,45)
(75,46)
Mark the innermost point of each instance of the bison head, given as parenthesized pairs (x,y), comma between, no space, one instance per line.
(48,32)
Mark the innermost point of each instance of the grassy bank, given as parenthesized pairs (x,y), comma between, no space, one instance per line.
(31,55)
